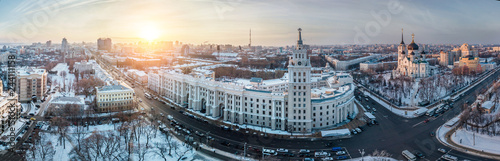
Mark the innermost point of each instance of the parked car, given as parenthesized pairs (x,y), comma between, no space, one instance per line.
(340,153)
(419,154)
(358,130)
(442,150)
(282,150)
(304,151)
(341,157)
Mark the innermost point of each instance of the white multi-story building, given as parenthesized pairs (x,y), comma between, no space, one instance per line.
(298,102)
(412,62)
(114,98)
(154,82)
(85,66)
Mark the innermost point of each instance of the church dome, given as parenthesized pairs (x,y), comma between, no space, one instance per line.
(412,45)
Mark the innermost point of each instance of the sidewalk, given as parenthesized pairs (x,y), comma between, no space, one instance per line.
(444,135)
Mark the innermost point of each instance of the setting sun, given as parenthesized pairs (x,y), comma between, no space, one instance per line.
(149,33)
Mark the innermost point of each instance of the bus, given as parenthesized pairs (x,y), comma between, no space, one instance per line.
(430,112)
(147,95)
(408,155)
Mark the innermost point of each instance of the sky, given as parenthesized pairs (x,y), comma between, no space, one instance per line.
(273,22)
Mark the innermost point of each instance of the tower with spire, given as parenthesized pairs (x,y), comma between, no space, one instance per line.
(299,88)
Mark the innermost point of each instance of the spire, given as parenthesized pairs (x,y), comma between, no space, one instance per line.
(412,38)
(402,42)
(299,42)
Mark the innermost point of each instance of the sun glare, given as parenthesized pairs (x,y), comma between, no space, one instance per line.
(149,33)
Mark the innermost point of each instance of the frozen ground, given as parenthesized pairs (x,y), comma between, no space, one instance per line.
(64,153)
(403,113)
(58,79)
(481,142)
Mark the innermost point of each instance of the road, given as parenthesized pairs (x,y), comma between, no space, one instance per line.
(394,133)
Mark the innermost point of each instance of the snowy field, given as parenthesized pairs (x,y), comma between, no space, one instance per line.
(408,93)
(63,78)
(147,145)
(403,113)
(482,142)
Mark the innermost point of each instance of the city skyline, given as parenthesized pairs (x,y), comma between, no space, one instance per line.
(272,23)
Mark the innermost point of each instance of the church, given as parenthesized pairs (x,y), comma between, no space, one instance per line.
(411,61)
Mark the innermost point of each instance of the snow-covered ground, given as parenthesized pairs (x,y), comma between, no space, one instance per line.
(481,142)
(64,82)
(64,153)
(431,88)
(403,113)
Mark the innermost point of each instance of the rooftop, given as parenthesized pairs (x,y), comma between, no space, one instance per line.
(113,88)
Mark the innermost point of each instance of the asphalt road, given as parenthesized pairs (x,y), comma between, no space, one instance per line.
(393,134)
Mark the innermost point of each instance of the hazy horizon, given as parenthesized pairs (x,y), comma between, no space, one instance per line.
(272,23)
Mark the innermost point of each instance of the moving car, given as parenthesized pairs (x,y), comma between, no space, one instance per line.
(341,157)
(340,153)
(282,150)
(442,150)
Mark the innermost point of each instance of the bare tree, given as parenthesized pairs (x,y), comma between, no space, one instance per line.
(41,150)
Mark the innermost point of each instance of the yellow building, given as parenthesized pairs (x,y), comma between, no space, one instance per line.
(31,83)
(471,62)
(114,98)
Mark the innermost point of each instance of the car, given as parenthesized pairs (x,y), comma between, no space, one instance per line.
(170,117)
(288,154)
(354,132)
(162,115)
(435,115)
(432,133)
(308,159)
(340,153)
(442,150)
(426,120)
(304,151)
(375,122)
(341,157)
(321,154)
(374,110)
(327,159)
(225,143)
(32,114)
(419,154)
(182,112)
(33,118)
(358,130)
(282,150)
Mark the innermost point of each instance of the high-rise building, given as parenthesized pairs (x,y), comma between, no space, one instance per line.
(104,44)
(299,88)
(446,58)
(48,43)
(64,45)
(185,50)
(31,83)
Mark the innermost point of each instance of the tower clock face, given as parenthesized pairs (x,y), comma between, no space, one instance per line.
(300,63)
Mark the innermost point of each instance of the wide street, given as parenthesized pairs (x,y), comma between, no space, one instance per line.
(393,134)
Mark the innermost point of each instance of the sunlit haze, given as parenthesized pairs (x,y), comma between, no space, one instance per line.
(272,22)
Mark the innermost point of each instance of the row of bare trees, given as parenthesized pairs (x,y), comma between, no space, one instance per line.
(132,139)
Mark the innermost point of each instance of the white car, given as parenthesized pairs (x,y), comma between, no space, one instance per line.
(169,117)
(282,150)
(304,151)
(442,150)
(340,153)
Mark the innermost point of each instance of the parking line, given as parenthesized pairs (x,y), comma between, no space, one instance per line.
(347,151)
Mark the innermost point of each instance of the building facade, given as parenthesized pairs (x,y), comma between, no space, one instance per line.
(114,98)
(412,62)
(298,102)
(104,44)
(31,83)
